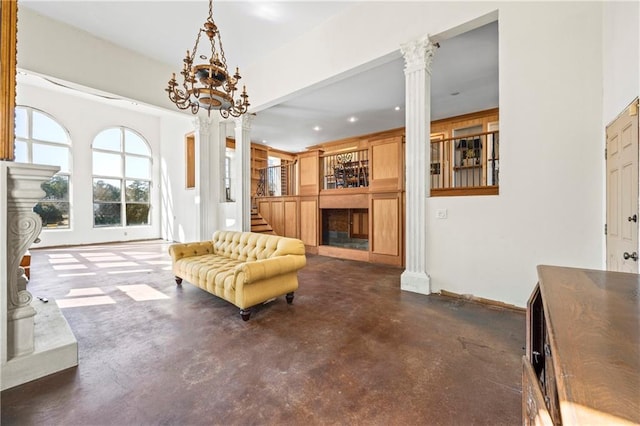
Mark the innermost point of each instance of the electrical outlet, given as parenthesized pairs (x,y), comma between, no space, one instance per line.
(441,213)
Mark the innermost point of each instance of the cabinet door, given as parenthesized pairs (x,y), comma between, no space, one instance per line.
(534,411)
(359,222)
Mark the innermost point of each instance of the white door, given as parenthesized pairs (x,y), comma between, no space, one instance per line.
(622,192)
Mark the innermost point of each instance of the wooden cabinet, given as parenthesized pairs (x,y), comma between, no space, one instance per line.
(582,362)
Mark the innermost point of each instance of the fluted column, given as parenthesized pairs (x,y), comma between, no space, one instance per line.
(243,169)
(418,55)
(206,172)
(23,227)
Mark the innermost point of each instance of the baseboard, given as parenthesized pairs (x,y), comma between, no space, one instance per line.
(483,301)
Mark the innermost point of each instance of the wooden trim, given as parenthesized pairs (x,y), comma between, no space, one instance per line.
(8,57)
(465,117)
(326,146)
(483,301)
(453,192)
(344,253)
(347,200)
(190,160)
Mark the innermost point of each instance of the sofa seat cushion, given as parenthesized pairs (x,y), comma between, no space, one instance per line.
(211,272)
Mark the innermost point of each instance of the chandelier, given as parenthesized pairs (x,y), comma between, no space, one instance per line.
(208,84)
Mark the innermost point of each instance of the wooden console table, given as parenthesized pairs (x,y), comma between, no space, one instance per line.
(582,362)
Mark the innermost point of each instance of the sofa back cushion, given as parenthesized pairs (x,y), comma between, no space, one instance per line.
(250,246)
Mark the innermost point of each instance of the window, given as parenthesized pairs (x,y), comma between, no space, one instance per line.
(227,178)
(40,139)
(121,178)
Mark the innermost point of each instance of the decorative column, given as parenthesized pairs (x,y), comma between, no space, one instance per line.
(243,169)
(23,227)
(206,212)
(418,55)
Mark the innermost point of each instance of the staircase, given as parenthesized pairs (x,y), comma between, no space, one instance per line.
(258,224)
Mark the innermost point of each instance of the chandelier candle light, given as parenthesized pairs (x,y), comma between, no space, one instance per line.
(208,85)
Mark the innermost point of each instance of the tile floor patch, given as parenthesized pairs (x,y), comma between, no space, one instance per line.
(142,292)
(89,291)
(81,274)
(68,267)
(63,260)
(116,264)
(85,301)
(129,271)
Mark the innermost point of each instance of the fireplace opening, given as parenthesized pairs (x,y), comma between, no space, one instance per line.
(347,228)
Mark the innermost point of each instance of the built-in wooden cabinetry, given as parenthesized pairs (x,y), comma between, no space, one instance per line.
(364,176)
(361,177)
(582,362)
(259,160)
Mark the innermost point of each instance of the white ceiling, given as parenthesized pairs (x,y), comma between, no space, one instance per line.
(467,64)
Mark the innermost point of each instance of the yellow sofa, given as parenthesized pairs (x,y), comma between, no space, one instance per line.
(244,268)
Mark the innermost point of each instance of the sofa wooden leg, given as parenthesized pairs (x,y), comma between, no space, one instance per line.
(245,314)
(289,297)
(178,281)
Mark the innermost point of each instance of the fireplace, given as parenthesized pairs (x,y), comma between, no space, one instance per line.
(346,228)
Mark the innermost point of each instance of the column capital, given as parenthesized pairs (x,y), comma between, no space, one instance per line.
(244,121)
(418,54)
(203,124)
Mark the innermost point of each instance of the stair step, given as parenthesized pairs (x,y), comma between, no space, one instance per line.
(260,228)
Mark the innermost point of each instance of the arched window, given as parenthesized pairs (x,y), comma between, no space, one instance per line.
(121,178)
(40,139)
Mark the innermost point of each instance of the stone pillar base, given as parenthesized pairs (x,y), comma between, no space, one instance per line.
(56,348)
(417,282)
(20,331)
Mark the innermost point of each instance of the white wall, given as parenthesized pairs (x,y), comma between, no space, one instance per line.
(53,49)
(179,222)
(84,119)
(551,165)
(621,59)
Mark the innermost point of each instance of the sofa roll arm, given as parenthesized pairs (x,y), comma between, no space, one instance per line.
(268,268)
(182,250)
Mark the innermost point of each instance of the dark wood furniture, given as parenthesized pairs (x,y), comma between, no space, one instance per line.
(582,362)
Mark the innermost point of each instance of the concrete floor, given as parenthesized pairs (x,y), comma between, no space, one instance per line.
(352,349)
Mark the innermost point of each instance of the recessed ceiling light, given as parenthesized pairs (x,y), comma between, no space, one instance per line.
(264,141)
(317,128)
(353,119)
(397,108)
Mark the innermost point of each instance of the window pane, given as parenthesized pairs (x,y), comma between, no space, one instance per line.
(137,214)
(134,144)
(137,191)
(108,139)
(22,124)
(57,188)
(106,190)
(46,129)
(106,164)
(20,152)
(53,214)
(51,155)
(106,214)
(137,167)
